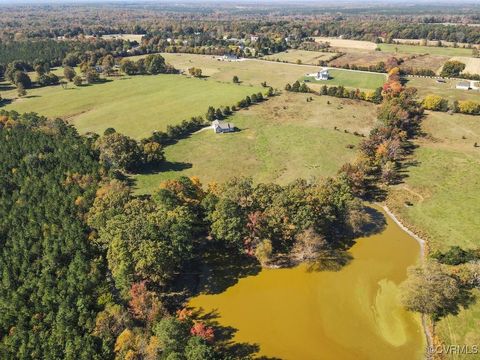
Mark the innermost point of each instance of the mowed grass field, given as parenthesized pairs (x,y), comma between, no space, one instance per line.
(351,79)
(304,56)
(418,49)
(280,140)
(249,71)
(444,184)
(135,105)
(444,188)
(347,43)
(447,90)
(276,74)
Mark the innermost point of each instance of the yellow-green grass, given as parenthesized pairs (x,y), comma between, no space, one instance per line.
(418,49)
(249,71)
(351,79)
(135,105)
(447,90)
(304,56)
(279,140)
(462,329)
(444,186)
(276,74)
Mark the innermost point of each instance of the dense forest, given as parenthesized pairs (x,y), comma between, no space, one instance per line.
(90,271)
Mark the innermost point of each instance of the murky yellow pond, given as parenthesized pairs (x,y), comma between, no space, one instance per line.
(351,313)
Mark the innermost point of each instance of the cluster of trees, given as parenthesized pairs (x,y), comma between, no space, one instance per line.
(438,103)
(442,285)
(152,64)
(452,68)
(339,91)
(16,73)
(195,72)
(298,87)
(120,152)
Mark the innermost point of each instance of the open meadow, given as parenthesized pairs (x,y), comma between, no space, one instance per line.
(443,187)
(424,62)
(447,90)
(419,49)
(362,58)
(301,56)
(350,79)
(135,105)
(281,139)
(347,43)
(249,71)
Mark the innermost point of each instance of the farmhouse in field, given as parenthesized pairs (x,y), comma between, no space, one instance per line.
(320,75)
(230,57)
(220,127)
(463,85)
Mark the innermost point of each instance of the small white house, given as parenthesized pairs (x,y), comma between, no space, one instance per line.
(320,75)
(220,127)
(229,57)
(463,85)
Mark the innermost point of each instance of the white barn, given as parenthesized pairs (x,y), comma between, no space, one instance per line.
(322,74)
(220,127)
(463,85)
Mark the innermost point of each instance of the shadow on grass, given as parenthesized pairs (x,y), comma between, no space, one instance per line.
(164,166)
(7,87)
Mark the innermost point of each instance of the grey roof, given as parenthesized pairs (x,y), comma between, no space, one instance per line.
(464,83)
(222,124)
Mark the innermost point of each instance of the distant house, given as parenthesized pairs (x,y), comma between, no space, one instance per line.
(230,57)
(220,127)
(463,85)
(320,75)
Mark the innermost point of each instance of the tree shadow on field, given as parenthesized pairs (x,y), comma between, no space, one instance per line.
(224,338)
(164,166)
(7,87)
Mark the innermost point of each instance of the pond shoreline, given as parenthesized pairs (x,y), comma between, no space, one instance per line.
(423,243)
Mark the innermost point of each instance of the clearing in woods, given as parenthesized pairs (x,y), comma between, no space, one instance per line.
(278,140)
